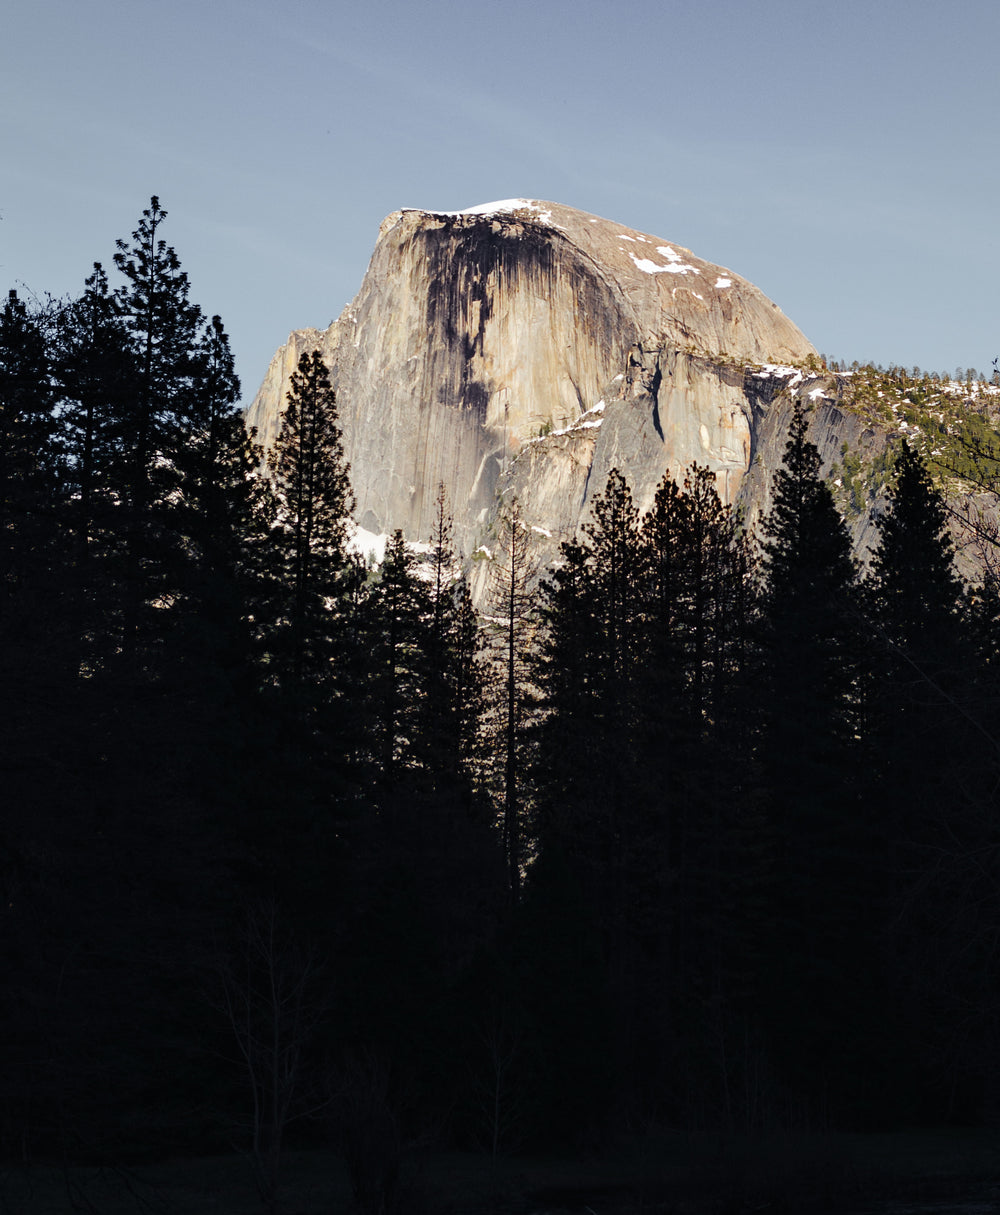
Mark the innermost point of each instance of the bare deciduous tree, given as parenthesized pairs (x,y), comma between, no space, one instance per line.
(273,999)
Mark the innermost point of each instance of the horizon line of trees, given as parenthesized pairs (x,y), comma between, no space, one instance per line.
(961,375)
(701,831)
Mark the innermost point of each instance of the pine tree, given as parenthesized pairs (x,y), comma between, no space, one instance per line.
(718,577)
(439,739)
(809,574)
(119,776)
(928,785)
(915,591)
(128,365)
(665,538)
(34,636)
(807,710)
(96,376)
(314,503)
(163,327)
(806,547)
(27,455)
(225,506)
(398,610)
(450,723)
(512,608)
(589,678)
(564,673)
(695,758)
(915,605)
(207,422)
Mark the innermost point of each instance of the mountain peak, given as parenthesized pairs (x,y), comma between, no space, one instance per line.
(525,346)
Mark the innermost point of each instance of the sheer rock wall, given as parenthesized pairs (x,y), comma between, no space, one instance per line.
(527,348)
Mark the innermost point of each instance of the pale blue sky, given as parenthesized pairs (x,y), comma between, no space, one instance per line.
(843,156)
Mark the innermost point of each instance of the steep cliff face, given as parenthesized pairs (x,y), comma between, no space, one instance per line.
(525,347)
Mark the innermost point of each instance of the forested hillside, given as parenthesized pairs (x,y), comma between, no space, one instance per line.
(697,827)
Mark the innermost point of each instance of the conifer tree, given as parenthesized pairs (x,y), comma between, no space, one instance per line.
(225,506)
(915,590)
(589,677)
(399,611)
(718,575)
(163,327)
(512,607)
(915,604)
(215,397)
(32,548)
(806,546)
(928,782)
(134,788)
(563,672)
(809,574)
(664,535)
(27,455)
(128,366)
(96,377)
(695,755)
(807,710)
(439,738)
(314,502)
(450,723)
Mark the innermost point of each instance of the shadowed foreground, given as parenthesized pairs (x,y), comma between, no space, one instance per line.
(932,1172)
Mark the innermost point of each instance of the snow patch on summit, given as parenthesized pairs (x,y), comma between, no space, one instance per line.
(502,206)
(675,263)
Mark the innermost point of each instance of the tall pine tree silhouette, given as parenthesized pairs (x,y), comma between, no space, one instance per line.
(512,607)
(915,591)
(931,778)
(163,326)
(27,459)
(311,479)
(96,373)
(806,710)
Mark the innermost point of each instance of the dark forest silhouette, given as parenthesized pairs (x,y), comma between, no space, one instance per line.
(701,832)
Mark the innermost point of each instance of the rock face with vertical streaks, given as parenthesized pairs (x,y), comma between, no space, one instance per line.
(526,347)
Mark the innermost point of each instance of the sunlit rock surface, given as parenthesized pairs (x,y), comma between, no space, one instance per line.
(527,348)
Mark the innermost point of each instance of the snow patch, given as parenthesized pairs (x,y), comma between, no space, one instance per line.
(779,372)
(722,281)
(542,531)
(674,263)
(584,422)
(366,544)
(504,205)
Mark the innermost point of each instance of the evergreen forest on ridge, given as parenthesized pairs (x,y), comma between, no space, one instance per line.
(698,828)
